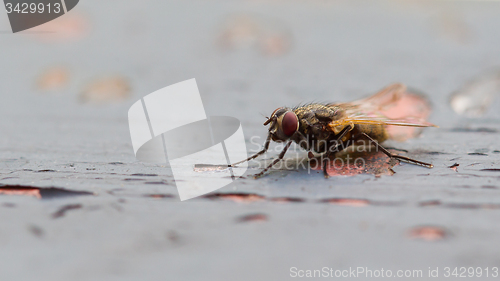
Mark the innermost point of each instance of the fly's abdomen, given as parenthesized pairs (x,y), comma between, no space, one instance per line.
(376,132)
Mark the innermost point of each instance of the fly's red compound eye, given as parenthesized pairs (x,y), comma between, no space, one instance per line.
(289,124)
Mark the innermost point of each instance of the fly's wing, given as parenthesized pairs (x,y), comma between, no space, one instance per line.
(374,120)
(384,99)
(393,105)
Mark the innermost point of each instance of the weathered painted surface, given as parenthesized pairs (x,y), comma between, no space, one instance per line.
(248,58)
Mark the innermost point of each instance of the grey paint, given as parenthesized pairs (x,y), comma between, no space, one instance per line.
(340,51)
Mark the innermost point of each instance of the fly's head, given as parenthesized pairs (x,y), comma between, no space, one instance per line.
(283,123)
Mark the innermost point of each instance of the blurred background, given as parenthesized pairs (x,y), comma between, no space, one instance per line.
(66,87)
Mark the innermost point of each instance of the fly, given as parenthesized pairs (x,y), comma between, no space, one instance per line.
(327,129)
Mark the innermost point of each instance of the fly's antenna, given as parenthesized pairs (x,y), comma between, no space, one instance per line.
(269,120)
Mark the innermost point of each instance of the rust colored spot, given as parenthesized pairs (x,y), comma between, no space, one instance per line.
(39,193)
(428,233)
(236,197)
(275,44)
(239,31)
(253,218)
(454,167)
(350,163)
(70,27)
(453,27)
(252,32)
(53,79)
(22,191)
(106,90)
(352,202)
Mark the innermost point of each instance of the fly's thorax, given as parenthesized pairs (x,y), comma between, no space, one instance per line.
(317,112)
(339,112)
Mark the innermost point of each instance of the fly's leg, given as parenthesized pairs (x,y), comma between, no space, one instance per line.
(337,143)
(280,157)
(266,147)
(340,136)
(402,158)
(326,160)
